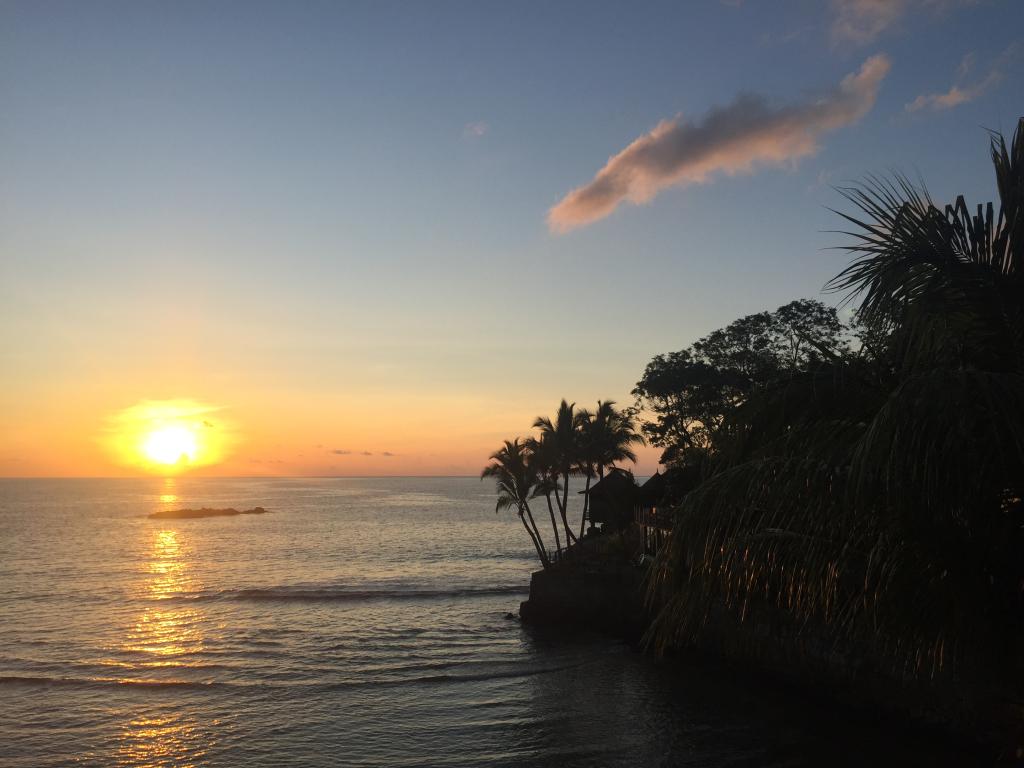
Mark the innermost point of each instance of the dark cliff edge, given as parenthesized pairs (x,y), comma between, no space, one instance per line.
(977,705)
(595,586)
(609,599)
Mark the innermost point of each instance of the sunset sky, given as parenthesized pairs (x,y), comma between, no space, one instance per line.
(378,238)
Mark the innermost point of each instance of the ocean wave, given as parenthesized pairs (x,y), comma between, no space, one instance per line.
(447,678)
(335,594)
(342,594)
(108,682)
(394,679)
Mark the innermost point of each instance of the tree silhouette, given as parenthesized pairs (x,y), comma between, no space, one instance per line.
(561,441)
(517,483)
(607,437)
(877,491)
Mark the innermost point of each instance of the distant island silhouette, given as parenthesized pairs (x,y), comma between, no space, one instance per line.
(182,514)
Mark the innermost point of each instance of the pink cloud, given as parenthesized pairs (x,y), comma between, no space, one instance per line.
(738,138)
(954,97)
(960,92)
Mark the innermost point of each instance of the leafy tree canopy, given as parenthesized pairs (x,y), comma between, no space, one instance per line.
(691,392)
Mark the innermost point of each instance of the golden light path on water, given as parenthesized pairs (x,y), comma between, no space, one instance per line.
(168,633)
(162,740)
(165,635)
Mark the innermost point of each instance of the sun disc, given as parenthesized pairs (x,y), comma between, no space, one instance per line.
(170,445)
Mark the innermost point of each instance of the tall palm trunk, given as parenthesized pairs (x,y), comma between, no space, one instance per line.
(536,533)
(570,537)
(586,504)
(540,549)
(586,498)
(554,525)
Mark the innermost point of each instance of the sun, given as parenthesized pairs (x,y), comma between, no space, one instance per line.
(171,445)
(168,437)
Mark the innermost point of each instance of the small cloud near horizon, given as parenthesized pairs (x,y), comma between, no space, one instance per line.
(476,129)
(739,138)
(347,452)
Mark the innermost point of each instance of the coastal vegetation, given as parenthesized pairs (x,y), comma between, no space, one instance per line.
(575,443)
(845,487)
(863,482)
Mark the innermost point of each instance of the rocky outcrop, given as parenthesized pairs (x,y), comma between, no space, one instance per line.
(606,597)
(188,514)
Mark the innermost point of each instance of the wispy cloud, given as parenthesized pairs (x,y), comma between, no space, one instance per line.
(340,452)
(862,21)
(475,130)
(954,97)
(963,91)
(738,138)
(786,36)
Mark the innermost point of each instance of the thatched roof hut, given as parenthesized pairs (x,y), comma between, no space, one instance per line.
(613,499)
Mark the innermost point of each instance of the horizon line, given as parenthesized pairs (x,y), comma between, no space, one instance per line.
(221,477)
(237,477)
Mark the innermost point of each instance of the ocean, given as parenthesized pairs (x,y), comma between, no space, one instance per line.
(361,622)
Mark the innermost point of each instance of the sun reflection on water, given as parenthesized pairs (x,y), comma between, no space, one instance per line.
(161,740)
(170,493)
(167,635)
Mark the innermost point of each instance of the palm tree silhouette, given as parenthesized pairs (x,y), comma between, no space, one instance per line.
(607,437)
(561,441)
(517,483)
(544,461)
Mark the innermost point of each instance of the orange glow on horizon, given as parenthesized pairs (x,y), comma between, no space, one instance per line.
(269,431)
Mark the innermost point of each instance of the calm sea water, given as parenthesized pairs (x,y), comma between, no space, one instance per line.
(361,623)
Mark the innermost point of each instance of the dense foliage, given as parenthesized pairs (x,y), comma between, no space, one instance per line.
(691,392)
(871,490)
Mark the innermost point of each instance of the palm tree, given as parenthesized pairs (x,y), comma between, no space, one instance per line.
(517,482)
(544,463)
(608,437)
(563,439)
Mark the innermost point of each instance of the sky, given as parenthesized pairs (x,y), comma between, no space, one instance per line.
(377,238)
